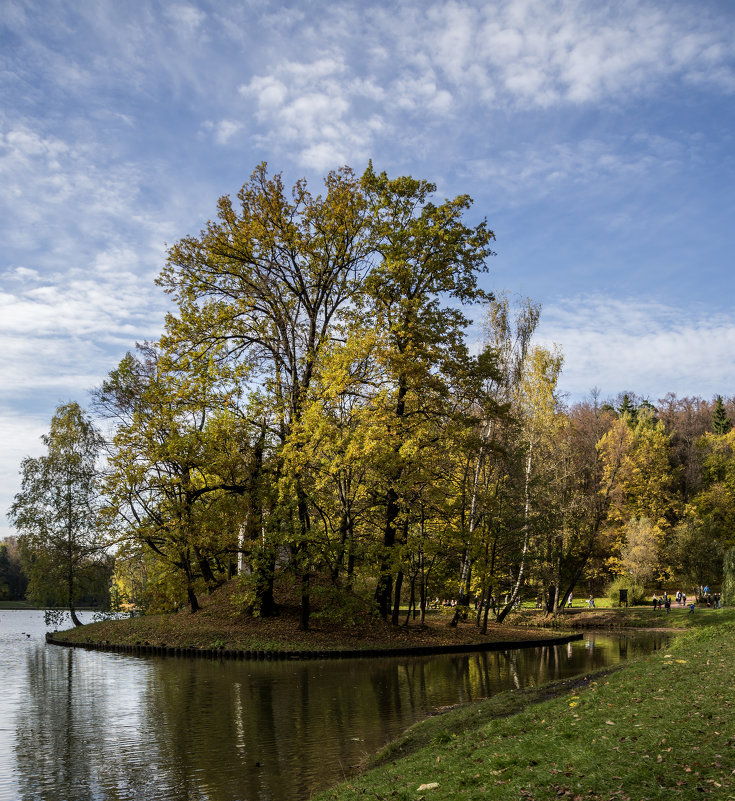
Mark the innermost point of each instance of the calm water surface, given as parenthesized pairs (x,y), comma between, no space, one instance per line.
(88,726)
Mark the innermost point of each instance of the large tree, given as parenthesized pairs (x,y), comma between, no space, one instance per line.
(270,288)
(56,512)
(260,290)
(428,262)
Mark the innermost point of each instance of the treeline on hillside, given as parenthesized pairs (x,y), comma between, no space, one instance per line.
(313,409)
(13,581)
(17,569)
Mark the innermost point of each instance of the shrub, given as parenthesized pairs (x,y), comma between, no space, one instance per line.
(636,592)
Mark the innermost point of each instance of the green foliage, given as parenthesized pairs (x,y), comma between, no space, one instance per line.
(639,556)
(56,514)
(696,551)
(721,423)
(628,411)
(339,606)
(641,480)
(13,580)
(636,591)
(716,500)
(177,453)
(728,579)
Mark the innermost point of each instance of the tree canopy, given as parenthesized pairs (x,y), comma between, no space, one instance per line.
(320,414)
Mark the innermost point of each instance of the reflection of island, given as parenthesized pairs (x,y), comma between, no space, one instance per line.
(106,726)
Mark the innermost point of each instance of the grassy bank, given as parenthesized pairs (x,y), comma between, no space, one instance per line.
(660,728)
(645,617)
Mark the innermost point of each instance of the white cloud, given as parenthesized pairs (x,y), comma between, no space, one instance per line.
(20,434)
(438,61)
(61,193)
(224,130)
(571,52)
(271,93)
(23,274)
(318,108)
(643,346)
(185,19)
(618,162)
(66,331)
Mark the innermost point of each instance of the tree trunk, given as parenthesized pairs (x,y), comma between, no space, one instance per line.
(384,588)
(191,595)
(265,579)
(411,601)
(305,602)
(399,577)
(487,609)
(526,536)
(422,588)
(193,602)
(397,598)
(465,577)
(206,570)
(305,526)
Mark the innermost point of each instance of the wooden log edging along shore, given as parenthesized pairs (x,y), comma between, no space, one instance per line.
(146,649)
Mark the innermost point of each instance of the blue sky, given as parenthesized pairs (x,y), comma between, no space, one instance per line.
(597,139)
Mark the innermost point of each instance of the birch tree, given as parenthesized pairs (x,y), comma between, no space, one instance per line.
(56,511)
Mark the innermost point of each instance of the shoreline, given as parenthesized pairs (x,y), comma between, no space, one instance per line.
(146,649)
(664,733)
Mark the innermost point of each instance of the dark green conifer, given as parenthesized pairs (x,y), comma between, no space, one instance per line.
(628,407)
(721,423)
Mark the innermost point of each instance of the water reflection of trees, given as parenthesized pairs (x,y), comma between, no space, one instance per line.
(68,733)
(101,726)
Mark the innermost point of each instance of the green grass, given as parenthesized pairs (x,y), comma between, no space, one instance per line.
(660,728)
(631,617)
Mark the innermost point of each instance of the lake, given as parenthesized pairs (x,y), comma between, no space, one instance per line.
(79,725)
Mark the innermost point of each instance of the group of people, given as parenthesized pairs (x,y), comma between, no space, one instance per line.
(664,601)
(713,600)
